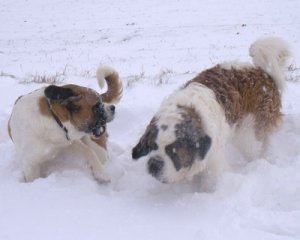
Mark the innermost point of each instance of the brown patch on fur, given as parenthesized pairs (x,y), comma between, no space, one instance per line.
(62,113)
(189,114)
(59,109)
(114,89)
(43,107)
(84,104)
(191,142)
(102,140)
(244,91)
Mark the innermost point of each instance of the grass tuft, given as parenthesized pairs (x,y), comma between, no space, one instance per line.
(294,73)
(163,77)
(131,80)
(56,78)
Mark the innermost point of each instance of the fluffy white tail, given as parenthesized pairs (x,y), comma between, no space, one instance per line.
(114,85)
(271,54)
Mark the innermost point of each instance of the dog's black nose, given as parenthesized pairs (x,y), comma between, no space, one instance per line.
(155,166)
(112,108)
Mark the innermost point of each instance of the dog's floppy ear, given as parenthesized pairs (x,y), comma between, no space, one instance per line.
(147,141)
(203,145)
(60,94)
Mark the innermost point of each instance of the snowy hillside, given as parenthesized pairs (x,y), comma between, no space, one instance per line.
(156,46)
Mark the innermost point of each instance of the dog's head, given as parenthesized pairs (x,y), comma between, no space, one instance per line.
(81,106)
(175,144)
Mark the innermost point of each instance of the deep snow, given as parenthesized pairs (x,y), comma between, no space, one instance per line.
(156,46)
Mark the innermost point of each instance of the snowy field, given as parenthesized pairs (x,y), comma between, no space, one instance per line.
(156,46)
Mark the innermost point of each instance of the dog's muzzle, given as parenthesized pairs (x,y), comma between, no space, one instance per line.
(103,114)
(110,112)
(155,166)
(98,130)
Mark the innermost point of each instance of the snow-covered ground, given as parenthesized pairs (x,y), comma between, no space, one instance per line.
(156,46)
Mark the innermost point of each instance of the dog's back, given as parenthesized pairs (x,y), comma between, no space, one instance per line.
(244,89)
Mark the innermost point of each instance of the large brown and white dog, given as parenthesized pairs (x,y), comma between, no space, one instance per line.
(46,121)
(230,102)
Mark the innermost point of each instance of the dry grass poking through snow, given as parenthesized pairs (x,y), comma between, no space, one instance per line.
(3,74)
(294,73)
(58,77)
(131,80)
(163,77)
(49,79)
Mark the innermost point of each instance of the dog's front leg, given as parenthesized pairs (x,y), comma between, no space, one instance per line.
(94,162)
(31,171)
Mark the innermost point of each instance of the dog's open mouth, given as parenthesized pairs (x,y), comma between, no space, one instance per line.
(98,131)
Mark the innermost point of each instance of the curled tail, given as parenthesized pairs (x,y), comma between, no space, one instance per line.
(114,85)
(271,55)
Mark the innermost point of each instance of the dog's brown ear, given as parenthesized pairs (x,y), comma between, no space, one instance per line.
(63,100)
(60,94)
(147,141)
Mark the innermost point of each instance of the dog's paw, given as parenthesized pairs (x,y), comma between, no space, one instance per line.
(101,177)
(30,174)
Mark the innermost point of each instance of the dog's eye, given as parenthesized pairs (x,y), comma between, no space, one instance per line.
(72,107)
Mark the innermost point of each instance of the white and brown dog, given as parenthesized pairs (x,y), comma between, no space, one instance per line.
(46,121)
(238,102)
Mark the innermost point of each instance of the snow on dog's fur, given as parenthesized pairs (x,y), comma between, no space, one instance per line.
(46,121)
(233,101)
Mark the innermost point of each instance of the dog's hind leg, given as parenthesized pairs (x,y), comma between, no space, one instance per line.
(34,158)
(245,139)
